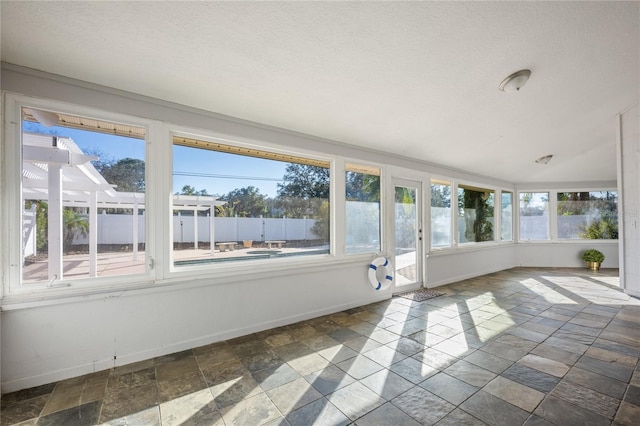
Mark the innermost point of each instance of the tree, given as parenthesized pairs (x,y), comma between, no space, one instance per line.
(362,187)
(73,222)
(190,190)
(321,226)
(440,195)
(245,202)
(479,227)
(303,190)
(304,181)
(573,203)
(127,174)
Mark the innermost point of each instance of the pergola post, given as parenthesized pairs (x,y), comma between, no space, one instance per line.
(212,215)
(93,234)
(135,229)
(195,228)
(55,223)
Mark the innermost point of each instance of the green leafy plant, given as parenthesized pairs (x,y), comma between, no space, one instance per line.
(593,255)
(604,229)
(73,222)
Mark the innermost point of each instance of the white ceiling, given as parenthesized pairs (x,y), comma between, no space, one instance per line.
(419,79)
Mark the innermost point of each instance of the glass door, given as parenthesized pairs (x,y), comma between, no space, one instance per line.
(408,235)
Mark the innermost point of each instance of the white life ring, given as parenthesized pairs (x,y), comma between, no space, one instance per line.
(380,262)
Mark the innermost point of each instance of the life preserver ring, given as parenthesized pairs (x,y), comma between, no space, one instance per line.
(380,262)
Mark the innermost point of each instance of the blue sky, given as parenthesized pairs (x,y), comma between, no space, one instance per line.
(217,172)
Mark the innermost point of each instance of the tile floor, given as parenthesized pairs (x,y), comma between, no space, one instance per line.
(524,346)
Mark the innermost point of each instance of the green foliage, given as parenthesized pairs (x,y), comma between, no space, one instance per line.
(479,228)
(604,229)
(42,219)
(190,190)
(440,195)
(593,255)
(303,189)
(245,202)
(572,203)
(305,192)
(72,222)
(362,187)
(321,227)
(127,174)
(305,182)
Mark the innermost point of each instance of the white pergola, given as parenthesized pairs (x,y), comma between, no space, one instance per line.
(56,170)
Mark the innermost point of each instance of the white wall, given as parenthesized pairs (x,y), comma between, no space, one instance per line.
(565,254)
(629,187)
(448,266)
(49,343)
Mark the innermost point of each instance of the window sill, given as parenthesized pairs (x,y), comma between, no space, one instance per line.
(25,298)
(469,247)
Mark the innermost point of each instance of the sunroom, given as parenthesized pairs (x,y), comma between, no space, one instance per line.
(250,180)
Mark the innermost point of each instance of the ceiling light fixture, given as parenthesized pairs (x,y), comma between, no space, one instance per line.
(46,118)
(545,159)
(515,81)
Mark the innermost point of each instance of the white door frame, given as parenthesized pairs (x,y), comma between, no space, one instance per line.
(419,183)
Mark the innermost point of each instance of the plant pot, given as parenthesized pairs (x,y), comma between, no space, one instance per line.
(247,243)
(594,266)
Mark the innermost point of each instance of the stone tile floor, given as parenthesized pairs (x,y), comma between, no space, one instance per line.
(519,347)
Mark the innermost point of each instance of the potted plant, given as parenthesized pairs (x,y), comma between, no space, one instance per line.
(593,258)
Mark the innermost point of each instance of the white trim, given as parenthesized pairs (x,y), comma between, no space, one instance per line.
(338,207)
(417,183)
(13,171)
(621,221)
(195,279)
(341,220)
(553,210)
(171,271)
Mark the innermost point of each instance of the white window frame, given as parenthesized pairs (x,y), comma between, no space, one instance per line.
(553,214)
(452,215)
(500,192)
(582,189)
(343,219)
(496,221)
(456,245)
(552,224)
(235,269)
(12,196)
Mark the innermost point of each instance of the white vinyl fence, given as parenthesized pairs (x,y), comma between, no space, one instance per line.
(243,228)
(118,229)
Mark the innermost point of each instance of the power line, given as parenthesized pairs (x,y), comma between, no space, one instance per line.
(212,175)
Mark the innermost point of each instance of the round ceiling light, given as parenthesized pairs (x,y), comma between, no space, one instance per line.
(515,81)
(545,159)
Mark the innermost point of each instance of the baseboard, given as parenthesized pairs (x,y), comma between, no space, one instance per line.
(455,279)
(632,293)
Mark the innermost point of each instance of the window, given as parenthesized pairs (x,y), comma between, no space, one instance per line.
(233,203)
(506,217)
(534,216)
(476,213)
(440,213)
(588,215)
(362,209)
(83,197)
